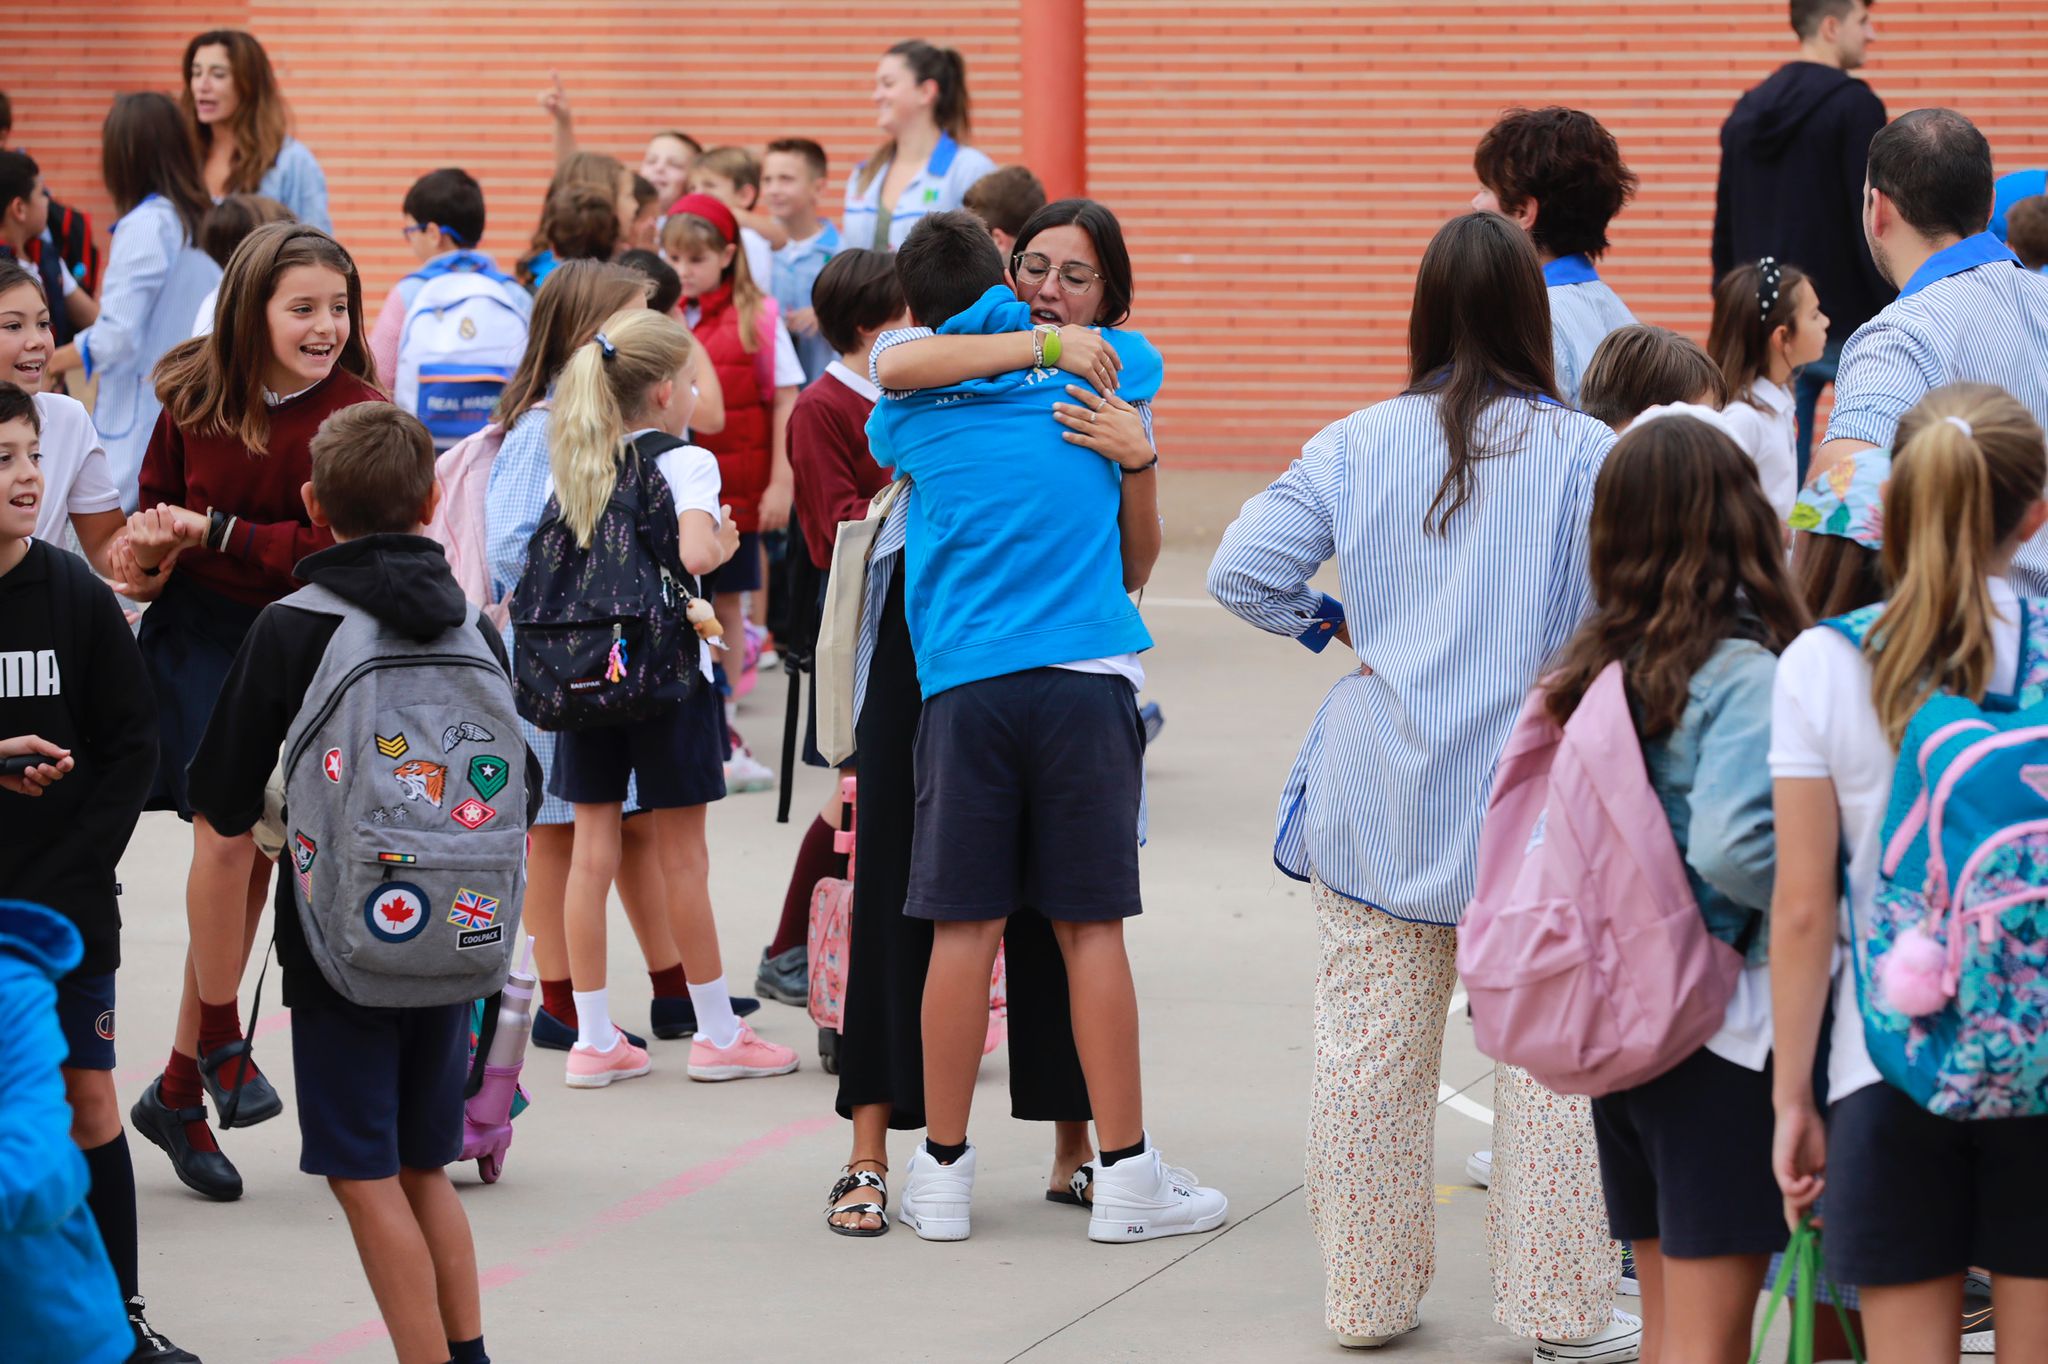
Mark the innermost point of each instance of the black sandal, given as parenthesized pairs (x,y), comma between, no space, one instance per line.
(1075,1195)
(849,1180)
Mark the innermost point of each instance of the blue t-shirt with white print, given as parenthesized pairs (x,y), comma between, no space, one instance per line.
(1014,557)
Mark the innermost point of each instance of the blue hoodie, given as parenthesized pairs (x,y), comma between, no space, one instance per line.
(58,1298)
(1014,556)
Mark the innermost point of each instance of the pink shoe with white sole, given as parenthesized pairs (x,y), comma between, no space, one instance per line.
(748,1058)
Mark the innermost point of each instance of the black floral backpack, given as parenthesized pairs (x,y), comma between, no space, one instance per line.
(599,635)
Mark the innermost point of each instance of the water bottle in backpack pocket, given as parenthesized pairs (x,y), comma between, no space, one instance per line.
(1952,955)
(463,338)
(600,634)
(405,793)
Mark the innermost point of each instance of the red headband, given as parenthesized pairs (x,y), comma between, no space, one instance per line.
(712,211)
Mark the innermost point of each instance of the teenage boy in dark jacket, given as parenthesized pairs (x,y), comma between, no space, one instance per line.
(73,689)
(1793,156)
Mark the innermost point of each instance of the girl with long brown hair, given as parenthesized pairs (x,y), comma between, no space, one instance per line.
(222,527)
(156,275)
(1913,1199)
(239,118)
(1693,600)
(1457,515)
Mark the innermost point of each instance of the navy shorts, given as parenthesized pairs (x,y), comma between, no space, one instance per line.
(1685,1160)
(379,1089)
(740,573)
(676,756)
(1027,793)
(85,1013)
(1912,1196)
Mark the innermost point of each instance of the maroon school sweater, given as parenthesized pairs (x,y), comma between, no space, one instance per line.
(828,459)
(272,532)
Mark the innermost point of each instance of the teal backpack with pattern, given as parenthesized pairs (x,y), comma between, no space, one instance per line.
(1952,957)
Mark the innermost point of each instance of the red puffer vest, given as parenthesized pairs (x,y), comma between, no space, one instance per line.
(743,448)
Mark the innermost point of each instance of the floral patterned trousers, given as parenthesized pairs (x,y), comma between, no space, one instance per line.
(1554,1266)
(1381,995)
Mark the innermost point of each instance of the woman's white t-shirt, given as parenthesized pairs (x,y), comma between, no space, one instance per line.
(76,478)
(1824,724)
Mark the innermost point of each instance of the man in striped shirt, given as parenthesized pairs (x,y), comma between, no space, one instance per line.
(1559,174)
(1965,309)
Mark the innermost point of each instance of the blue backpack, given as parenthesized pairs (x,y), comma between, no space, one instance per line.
(1952,960)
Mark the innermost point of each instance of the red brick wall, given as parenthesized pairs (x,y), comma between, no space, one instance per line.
(1277,166)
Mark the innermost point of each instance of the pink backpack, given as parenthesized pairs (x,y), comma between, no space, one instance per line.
(464,472)
(1584,953)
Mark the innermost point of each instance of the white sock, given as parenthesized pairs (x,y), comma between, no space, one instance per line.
(716,1022)
(594,1020)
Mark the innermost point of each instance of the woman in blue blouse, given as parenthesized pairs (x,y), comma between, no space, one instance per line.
(1457,513)
(233,106)
(921,106)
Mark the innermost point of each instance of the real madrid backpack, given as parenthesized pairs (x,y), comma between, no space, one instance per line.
(405,805)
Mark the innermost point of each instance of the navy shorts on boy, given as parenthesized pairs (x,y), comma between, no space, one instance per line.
(379,1090)
(676,756)
(1027,792)
(85,1014)
(740,573)
(1685,1160)
(1912,1196)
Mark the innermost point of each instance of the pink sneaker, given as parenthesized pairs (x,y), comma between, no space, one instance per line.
(595,1069)
(747,1058)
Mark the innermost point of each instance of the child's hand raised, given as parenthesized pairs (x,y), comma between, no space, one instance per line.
(556,99)
(1089,358)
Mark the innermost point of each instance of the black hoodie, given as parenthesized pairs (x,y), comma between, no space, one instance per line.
(1793,156)
(404,581)
(70,672)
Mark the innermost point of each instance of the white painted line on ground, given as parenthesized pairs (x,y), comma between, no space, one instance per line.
(1471,1108)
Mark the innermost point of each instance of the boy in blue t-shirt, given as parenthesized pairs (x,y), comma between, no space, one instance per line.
(1029,752)
(792,178)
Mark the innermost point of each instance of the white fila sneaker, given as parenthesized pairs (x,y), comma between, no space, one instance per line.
(1144,1198)
(937,1198)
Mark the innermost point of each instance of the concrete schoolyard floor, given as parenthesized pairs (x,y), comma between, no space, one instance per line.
(663,1220)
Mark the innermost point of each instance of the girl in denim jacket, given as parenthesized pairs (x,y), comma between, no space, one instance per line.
(1693,597)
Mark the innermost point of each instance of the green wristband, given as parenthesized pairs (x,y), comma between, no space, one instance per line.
(1049,347)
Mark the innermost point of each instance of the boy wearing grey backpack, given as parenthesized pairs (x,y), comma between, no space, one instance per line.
(407,795)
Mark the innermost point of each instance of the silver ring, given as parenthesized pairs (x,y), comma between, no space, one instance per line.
(1091,417)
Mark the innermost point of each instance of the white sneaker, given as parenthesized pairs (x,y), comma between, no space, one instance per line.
(1374,1342)
(745,772)
(1143,1198)
(1479,1168)
(1621,1342)
(937,1198)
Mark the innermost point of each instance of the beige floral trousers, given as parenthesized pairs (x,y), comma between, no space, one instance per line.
(1381,994)
(1383,990)
(1554,1266)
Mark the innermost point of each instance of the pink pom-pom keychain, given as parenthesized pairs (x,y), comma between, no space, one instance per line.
(1911,975)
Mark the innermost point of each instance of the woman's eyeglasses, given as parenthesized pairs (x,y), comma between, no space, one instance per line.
(1076,279)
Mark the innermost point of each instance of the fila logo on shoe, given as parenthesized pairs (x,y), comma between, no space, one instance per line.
(1134,1228)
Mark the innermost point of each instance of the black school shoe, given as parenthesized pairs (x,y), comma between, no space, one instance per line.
(151,1346)
(674,1018)
(252,1101)
(206,1172)
(552,1034)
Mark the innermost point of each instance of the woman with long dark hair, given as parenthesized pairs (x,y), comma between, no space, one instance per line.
(239,118)
(923,165)
(1457,514)
(156,275)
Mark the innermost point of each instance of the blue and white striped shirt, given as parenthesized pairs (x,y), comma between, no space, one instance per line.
(1386,798)
(1583,310)
(1969,313)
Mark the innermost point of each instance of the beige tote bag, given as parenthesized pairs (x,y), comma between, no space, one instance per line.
(839,631)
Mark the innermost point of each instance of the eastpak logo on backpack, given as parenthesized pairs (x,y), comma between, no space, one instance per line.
(405,792)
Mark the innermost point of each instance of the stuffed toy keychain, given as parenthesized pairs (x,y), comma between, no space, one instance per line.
(699,613)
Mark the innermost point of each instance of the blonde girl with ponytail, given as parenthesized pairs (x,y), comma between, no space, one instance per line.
(627,395)
(1912,1199)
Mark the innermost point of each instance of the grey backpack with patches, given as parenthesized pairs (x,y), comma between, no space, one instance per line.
(405,805)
